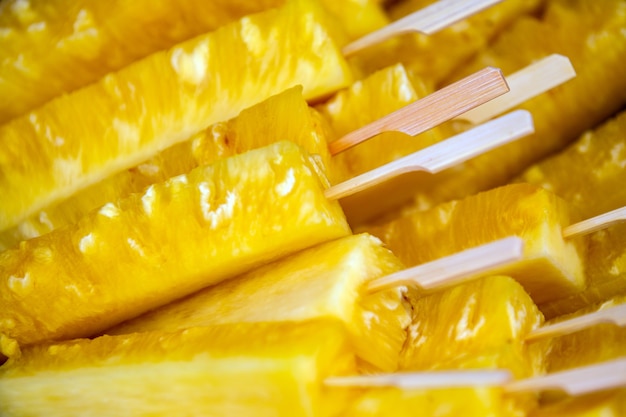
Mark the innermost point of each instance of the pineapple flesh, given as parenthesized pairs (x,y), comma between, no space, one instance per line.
(131,115)
(285,116)
(233,370)
(551,268)
(320,282)
(129,257)
(611,403)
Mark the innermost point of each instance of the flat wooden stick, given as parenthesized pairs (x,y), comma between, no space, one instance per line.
(429,379)
(595,223)
(615,315)
(525,84)
(453,269)
(427,20)
(444,154)
(578,381)
(432,110)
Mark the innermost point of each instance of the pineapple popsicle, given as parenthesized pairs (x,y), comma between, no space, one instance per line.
(284,116)
(44,159)
(266,369)
(552,266)
(230,217)
(476,325)
(590,175)
(591,35)
(324,281)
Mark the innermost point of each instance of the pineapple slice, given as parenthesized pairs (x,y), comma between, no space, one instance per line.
(552,266)
(324,281)
(602,404)
(131,115)
(435,56)
(440,402)
(591,35)
(129,257)
(480,324)
(590,175)
(284,116)
(241,370)
(42,39)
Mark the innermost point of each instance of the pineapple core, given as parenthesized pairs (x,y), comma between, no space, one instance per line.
(176,237)
(324,281)
(552,266)
(271,369)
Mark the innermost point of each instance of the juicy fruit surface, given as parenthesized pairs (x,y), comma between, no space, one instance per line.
(41,39)
(260,369)
(285,116)
(45,160)
(551,268)
(324,281)
(610,403)
(234,221)
(474,325)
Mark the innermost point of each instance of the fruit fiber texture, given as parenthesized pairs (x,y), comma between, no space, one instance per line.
(41,39)
(476,325)
(321,282)
(233,370)
(551,268)
(285,116)
(176,237)
(122,120)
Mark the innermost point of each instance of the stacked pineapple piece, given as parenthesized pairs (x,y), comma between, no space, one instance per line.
(165,203)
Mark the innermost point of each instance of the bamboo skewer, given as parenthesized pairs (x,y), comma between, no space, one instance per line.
(432,110)
(525,84)
(454,269)
(594,224)
(428,20)
(615,315)
(429,379)
(577,381)
(444,154)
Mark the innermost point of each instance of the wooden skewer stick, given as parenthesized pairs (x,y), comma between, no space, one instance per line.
(427,21)
(578,381)
(615,315)
(525,84)
(429,379)
(595,223)
(444,154)
(453,269)
(432,110)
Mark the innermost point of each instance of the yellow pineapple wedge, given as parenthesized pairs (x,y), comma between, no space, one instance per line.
(324,281)
(439,402)
(595,344)
(280,117)
(591,35)
(602,404)
(476,325)
(41,40)
(552,267)
(79,139)
(590,175)
(435,56)
(173,239)
(233,370)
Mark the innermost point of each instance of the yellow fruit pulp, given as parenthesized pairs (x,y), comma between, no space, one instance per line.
(480,324)
(285,116)
(325,281)
(240,370)
(436,55)
(440,402)
(551,267)
(591,35)
(129,116)
(610,403)
(171,240)
(41,39)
